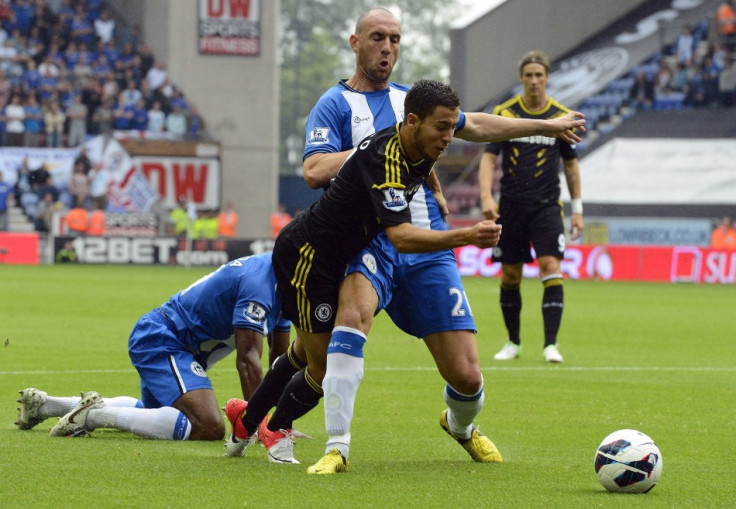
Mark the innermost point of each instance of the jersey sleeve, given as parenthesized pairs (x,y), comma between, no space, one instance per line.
(386,183)
(325,131)
(567,151)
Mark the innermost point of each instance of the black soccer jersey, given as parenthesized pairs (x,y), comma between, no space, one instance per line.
(370,193)
(531,164)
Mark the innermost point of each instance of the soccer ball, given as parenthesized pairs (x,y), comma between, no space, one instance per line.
(628,461)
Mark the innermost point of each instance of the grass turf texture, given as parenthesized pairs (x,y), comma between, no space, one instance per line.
(658,358)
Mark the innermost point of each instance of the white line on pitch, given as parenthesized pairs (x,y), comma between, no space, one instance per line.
(724,369)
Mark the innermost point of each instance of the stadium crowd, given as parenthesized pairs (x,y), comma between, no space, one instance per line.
(67,70)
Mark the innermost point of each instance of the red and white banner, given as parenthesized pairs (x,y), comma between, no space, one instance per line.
(620,263)
(19,248)
(230,27)
(193,178)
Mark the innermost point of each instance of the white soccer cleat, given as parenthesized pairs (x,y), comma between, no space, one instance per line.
(73,423)
(509,351)
(30,401)
(552,354)
(279,444)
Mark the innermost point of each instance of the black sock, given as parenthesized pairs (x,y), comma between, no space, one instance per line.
(511,310)
(300,395)
(268,392)
(552,304)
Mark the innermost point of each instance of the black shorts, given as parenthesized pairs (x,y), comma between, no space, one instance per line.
(308,280)
(525,224)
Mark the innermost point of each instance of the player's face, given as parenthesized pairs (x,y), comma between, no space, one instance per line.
(534,79)
(376,47)
(433,135)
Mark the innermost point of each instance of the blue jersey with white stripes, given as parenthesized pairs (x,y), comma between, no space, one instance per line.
(240,294)
(343,117)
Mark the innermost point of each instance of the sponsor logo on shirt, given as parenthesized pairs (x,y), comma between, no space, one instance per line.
(254,313)
(395,199)
(319,136)
(358,120)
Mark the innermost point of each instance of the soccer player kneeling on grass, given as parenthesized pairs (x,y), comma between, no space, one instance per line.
(172,347)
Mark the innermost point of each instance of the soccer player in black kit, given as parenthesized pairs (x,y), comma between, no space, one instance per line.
(529,209)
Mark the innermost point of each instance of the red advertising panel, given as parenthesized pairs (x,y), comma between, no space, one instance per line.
(621,263)
(230,27)
(19,248)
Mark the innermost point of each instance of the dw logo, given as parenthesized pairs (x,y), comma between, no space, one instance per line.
(197,369)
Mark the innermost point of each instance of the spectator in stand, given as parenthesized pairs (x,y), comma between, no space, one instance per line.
(77,221)
(279,219)
(48,86)
(39,178)
(726,18)
(3,130)
(177,99)
(176,123)
(99,183)
(24,13)
(157,76)
(662,80)
(81,28)
(22,180)
(54,120)
(724,236)
(156,118)
(5,11)
(77,115)
(33,122)
(82,70)
(83,158)
(8,53)
(97,223)
(140,116)
(195,124)
(6,88)
(103,117)
(79,187)
(131,95)
(227,221)
(127,57)
(642,92)
(48,67)
(31,81)
(685,46)
(15,115)
(146,57)
(48,206)
(104,27)
(123,116)
(6,198)
(680,81)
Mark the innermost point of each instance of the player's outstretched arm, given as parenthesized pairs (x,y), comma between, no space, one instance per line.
(410,239)
(322,167)
(484,127)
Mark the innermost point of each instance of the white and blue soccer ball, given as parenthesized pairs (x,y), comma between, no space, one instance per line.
(628,461)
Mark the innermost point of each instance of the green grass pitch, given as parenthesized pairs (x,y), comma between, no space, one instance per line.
(660,358)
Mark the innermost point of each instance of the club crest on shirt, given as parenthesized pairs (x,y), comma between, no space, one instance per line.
(254,312)
(197,369)
(323,312)
(395,199)
(319,136)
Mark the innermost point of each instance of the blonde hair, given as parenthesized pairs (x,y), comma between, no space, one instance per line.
(534,57)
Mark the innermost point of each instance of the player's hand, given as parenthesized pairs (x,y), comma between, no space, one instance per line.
(564,127)
(489,208)
(576,226)
(485,234)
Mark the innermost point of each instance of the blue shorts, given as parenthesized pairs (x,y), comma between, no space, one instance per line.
(422,293)
(167,368)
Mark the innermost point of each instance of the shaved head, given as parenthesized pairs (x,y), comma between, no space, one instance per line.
(377,12)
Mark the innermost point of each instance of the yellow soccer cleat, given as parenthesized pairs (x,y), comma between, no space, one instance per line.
(331,463)
(479,446)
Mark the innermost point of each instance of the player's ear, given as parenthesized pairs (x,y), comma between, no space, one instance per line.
(412,119)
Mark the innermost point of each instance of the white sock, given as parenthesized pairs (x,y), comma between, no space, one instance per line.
(340,385)
(464,408)
(60,406)
(165,423)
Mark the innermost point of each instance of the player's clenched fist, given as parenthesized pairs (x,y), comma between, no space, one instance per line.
(485,234)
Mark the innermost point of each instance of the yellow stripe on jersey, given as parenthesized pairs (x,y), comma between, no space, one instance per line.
(299,282)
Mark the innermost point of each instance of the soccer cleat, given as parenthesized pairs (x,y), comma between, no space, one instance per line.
(72,424)
(30,401)
(279,444)
(331,463)
(509,351)
(552,354)
(479,446)
(238,440)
